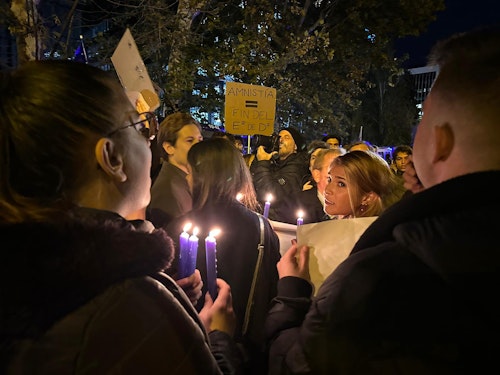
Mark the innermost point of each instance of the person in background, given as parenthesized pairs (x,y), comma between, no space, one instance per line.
(400,157)
(83,289)
(237,140)
(333,140)
(361,146)
(224,198)
(170,193)
(360,184)
(415,294)
(238,143)
(313,148)
(282,176)
(222,134)
(249,158)
(311,202)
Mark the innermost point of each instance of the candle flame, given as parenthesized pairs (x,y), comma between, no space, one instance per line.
(239,197)
(187,226)
(214,232)
(300,213)
(269,197)
(195,231)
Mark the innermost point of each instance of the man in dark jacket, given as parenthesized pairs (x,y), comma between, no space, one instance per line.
(416,295)
(280,174)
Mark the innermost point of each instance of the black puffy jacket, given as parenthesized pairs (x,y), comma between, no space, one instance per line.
(89,296)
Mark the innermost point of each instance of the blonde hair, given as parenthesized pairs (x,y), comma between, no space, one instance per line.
(366,172)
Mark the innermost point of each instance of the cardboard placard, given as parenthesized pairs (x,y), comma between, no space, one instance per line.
(132,72)
(249,109)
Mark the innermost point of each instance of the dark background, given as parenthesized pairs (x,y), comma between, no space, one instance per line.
(459,16)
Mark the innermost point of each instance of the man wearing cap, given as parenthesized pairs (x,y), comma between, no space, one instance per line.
(280,173)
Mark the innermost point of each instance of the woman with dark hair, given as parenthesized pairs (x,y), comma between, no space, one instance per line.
(83,289)
(224,198)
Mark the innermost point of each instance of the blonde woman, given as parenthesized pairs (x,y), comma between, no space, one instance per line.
(360,184)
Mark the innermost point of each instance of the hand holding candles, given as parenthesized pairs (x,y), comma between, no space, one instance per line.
(267,205)
(300,220)
(211,256)
(188,246)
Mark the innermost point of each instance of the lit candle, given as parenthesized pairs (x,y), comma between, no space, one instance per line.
(211,255)
(188,260)
(267,205)
(300,220)
(184,250)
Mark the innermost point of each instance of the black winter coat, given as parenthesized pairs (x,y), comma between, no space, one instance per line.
(308,202)
(236,260)
(89,296)
(282,179)
(417,295)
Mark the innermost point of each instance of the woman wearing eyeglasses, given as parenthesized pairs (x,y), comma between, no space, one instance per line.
(82,290)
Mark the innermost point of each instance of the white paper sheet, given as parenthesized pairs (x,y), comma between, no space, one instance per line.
(330,241)
(286,232)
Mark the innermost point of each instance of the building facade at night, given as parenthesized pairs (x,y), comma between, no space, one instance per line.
(423,78)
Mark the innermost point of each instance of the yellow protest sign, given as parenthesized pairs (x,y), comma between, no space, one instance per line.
(249,109)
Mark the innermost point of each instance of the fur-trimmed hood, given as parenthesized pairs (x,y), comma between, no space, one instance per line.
(50,269)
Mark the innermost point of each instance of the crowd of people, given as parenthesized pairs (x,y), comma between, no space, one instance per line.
(90,229)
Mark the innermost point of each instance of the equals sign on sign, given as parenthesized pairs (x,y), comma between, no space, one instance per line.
(251,103)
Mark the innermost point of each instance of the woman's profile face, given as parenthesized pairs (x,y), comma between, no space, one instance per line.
(137,165)
(336,193)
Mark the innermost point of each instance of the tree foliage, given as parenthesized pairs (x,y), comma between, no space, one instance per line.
(320,55)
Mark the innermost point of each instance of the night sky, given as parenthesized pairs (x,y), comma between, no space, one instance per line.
(459,16)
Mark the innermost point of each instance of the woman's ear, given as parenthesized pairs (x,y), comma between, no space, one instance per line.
(110,159)
(368,198)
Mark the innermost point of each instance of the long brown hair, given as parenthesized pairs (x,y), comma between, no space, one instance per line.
(219,174)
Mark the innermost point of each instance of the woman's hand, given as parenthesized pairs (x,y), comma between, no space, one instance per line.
(192,286)
(295,262)
(307,186)
(219,314)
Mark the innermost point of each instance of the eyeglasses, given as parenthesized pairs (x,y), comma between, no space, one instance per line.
(147,126)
